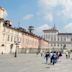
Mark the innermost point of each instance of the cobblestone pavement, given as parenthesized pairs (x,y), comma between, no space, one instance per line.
(33,63)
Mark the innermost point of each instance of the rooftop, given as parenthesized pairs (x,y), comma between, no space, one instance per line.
(53,29)
(64,33)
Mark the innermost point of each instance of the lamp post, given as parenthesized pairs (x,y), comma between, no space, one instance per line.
(39,46)
(17,45)
(2,46)
(17,42)
(15,55)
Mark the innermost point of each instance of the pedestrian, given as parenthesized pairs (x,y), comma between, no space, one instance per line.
(66,53)
(47,57)
(15,54)
(54,58)
(2,53)
(60,54)
(51,54)
(42,53)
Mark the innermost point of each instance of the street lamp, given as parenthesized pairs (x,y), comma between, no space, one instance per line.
(17,41)
(11,46)
(2,46)
(17,45)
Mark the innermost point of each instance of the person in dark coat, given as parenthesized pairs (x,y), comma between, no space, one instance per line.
(47,56)
(54,58)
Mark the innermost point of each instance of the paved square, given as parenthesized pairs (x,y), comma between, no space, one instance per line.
(32,63)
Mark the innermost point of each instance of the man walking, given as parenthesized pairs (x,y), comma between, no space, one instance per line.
(47,56)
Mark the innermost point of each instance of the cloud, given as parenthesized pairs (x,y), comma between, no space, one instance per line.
(27,17)
(43,27)
(67,4)
(46,3)
(46,9)
(68,27)
(48,17)
(39,30)
(48,6)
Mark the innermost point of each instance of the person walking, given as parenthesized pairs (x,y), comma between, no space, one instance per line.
(47,57)
(66,53)
(54,58)
(51,54)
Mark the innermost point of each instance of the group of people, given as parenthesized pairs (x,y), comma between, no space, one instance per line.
(52,57)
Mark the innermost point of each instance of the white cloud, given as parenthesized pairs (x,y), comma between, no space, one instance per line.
(40,29)
(27,17)
(48,17)
(67,4)
(49,5)
(68,27)
(43,27)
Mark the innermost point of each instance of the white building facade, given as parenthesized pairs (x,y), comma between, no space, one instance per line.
(18,39)
(58,40)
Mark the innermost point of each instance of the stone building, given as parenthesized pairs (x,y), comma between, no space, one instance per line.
(18,39)
(58,40)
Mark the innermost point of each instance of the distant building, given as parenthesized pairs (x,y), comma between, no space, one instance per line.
(58,40)
(12,39)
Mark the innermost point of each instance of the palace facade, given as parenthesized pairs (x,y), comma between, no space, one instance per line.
(18,39)
(57,40)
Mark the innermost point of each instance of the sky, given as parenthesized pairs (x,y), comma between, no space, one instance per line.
(42,14)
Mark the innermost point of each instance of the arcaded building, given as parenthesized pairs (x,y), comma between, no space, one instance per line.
(18,39)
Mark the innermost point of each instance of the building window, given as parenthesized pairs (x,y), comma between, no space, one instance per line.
(64,39)
(67,36)
(61,44)
(61,38)
(23,40)
(2,45)
(58,38)
(11,38)
(54,44)
(54,38)
(51,45)
(8,38)
(71,39)
(14,39)
(26,41)
(19,40)
(51,38)
(4,29)
(58,44)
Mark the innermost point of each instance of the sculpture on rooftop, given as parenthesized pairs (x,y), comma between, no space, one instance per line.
(2,12)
